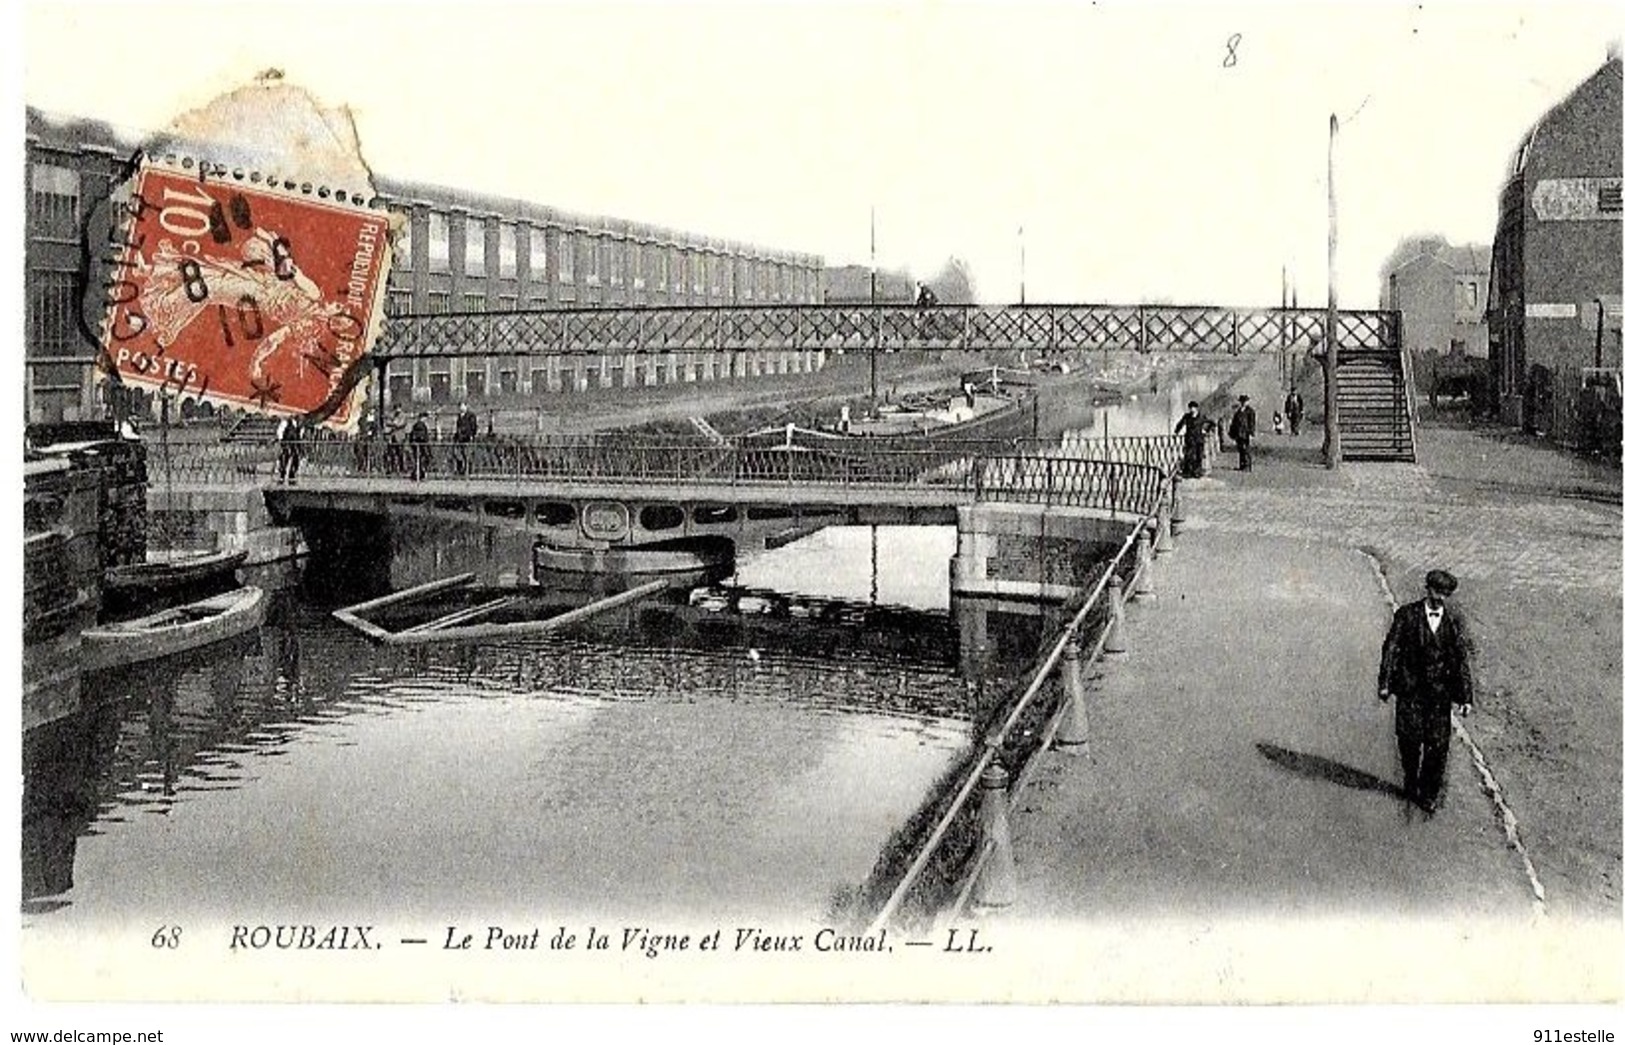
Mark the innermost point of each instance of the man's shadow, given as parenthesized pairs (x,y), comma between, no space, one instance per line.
(1316,767)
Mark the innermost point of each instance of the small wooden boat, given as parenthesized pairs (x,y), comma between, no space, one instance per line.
(173,572)
(175,630)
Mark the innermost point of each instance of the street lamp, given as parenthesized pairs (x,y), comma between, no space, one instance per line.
(1332,448)
(1021,243)
(874,312)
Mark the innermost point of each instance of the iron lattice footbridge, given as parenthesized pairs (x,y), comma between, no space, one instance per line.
(728,328)
(513,478)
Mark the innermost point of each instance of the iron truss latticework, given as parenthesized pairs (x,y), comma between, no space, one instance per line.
(1036,328)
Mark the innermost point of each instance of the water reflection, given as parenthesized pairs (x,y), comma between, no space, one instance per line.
(672,722)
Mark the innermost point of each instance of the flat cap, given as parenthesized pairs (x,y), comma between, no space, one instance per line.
(1441,581)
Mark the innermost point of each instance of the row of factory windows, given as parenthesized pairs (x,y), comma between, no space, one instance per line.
(68,391)
(425,381)
(602,259)
(595,259)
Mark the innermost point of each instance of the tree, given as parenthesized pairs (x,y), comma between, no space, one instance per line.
(954,284)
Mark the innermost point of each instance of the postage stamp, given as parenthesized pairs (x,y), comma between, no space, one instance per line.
(244,290)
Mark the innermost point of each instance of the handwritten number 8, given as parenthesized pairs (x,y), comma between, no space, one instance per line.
(1230,50)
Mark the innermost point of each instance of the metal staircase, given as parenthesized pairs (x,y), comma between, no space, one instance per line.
(1375,408)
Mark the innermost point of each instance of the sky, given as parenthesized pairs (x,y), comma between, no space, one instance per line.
(1144,152)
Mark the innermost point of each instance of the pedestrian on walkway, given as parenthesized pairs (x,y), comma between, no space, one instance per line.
(1195,429)
(1427,669)
(464,434)
(395,434)
(418,439)
(1294,409)
(288,438)
(1243,426)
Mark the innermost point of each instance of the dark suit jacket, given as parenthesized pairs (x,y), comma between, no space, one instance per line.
(1426,672)
(1243,423)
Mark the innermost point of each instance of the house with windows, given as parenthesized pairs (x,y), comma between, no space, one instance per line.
(1555,272)
(1440,289)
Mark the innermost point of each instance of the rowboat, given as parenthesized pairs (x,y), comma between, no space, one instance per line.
(173,572)
(175,630)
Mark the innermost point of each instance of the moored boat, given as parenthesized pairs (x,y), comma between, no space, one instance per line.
(912,426)
(175,571)
(175,630)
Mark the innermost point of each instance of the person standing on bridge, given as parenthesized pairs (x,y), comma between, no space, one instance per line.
(418,446)
(467,430)
(395,436)
(1243,426)
(1195,428)
(1427,669)
(288,436)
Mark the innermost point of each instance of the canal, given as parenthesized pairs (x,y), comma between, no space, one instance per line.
(744,747)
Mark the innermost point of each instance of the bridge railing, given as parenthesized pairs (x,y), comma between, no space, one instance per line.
(1118,474)
(951,854)
(840,328)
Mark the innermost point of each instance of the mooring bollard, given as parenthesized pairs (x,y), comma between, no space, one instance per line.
(1115,642)
(1176,513)
(1144,590)
(1165,530)
(996,886)
(1075,722)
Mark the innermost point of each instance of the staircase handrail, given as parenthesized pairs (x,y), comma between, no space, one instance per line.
(1411,418)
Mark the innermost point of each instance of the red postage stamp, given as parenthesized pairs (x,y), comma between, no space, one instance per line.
(243,292)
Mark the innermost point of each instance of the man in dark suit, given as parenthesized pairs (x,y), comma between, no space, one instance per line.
(1426,668)
(418,443)
(467,430)
(1294,409)
(1243,426)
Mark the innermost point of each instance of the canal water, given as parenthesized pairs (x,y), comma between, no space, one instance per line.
(746,747)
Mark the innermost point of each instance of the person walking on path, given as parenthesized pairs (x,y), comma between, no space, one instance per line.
(418,440)
(1195,428)
(1426,668)
(288,435)
(1294,409)
(1243,426)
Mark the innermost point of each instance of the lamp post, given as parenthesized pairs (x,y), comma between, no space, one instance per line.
(874,312)
(1332,448)
(1021,243)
